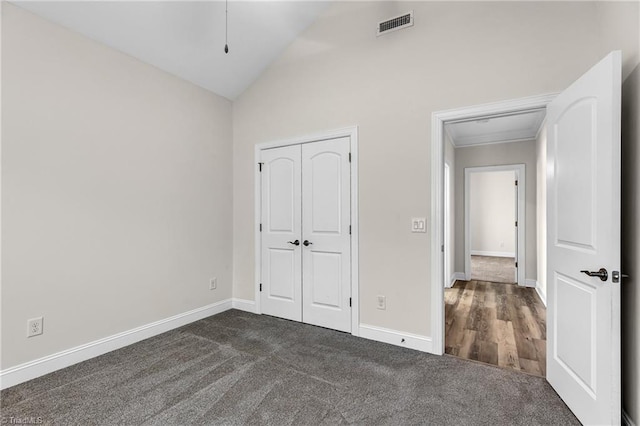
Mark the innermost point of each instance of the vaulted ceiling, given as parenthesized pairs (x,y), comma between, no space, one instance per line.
(187,38)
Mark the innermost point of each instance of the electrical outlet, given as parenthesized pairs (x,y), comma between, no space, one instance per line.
(382,302)
(213,283)
(34,327)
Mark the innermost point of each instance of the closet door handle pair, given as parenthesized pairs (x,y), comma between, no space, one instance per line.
(297,243)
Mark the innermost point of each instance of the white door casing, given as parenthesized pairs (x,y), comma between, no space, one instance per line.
(583,213)
(281,220)
(326,260)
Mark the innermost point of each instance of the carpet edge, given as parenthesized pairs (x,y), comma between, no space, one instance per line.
(39,367)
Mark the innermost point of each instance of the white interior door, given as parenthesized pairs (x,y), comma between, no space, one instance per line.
(516,201)
(281,268)
(326,219)
(447,228)
(583,210)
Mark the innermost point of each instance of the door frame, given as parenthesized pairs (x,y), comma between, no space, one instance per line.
(436,261)
(446,236)
(519,170)
(352,134)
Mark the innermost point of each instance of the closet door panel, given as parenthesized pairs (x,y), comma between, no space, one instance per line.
(326,259)
(281,267)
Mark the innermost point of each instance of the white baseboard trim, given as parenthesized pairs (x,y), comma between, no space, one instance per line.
(455,277)
(398,338)
(244,305)
(48,364)
(492,253)
(543,295)
(459,276)
(530,283)
(626,420)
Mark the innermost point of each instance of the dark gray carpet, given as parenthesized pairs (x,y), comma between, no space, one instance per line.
(494,269)
(240,368)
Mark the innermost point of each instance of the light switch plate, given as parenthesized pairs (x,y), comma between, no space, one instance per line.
(419,224)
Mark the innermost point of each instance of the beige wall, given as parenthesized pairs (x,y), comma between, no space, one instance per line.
(631,245)
(496,155)
(338,73)
(541,210)
(492,208)
(116,193)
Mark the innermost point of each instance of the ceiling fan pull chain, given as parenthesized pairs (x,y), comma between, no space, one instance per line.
(226,26)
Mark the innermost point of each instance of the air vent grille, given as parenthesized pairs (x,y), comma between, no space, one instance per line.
(396,23)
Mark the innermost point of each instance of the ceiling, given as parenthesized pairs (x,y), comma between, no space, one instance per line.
(506,128)
(187,38)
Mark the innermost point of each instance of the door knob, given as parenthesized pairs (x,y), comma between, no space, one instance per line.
(602,274)
(295,243)
(307,243)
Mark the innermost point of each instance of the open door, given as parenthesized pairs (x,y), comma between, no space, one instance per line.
(583,246)
(517,213)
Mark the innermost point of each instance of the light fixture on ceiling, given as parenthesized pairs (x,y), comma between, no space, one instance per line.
(226,25)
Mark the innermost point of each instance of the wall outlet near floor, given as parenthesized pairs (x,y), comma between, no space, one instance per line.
(34,327)
(213,283)
(382,302)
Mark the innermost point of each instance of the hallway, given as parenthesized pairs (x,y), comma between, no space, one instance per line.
(495,323)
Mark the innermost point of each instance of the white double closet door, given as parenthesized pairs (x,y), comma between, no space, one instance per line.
(305,238)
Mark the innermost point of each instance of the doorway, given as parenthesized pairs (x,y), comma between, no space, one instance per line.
(494,218)
(489,317)
(581,208)
(489,314)
(439,135)
(306,254)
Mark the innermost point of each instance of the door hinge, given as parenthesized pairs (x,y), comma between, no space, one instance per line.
(260,227)
(349,302)
(260,166)
(349,157)
(516,264)
(349,229)
(442,248)
(260,286)
(516,223)
(516,183)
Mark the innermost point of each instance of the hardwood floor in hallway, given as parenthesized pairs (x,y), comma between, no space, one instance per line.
(496,323)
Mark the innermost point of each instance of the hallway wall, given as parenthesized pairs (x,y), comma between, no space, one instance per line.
(496,155)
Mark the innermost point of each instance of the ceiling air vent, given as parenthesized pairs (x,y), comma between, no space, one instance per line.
(396,23)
